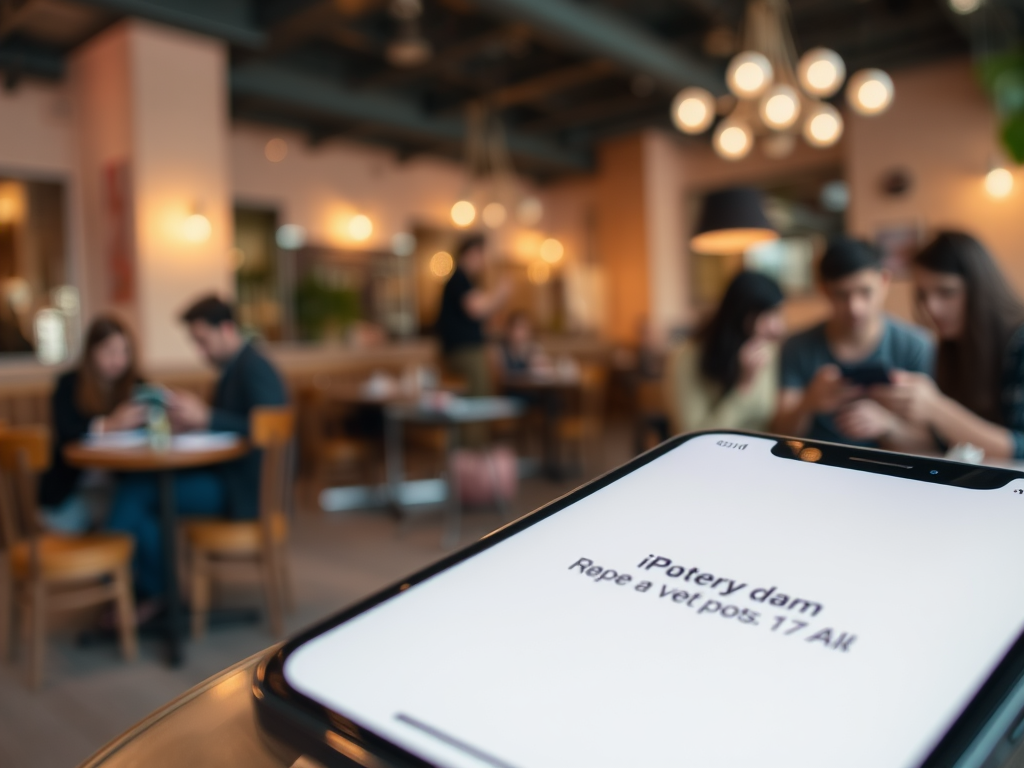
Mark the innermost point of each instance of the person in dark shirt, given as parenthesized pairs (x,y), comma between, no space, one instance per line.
(230,490)
(816,399)
(93,398)
(977,395)
(465,306)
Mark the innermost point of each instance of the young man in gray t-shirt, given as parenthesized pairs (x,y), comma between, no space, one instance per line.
(816,400)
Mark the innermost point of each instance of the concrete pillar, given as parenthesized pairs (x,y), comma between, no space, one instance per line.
(151,109)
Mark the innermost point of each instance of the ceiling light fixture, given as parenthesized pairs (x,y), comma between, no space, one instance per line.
(778,94)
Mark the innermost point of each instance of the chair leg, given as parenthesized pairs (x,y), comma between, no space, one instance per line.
(6,612)
(125,606)
(35,631)
(284,572)
(271,584)
(200,593)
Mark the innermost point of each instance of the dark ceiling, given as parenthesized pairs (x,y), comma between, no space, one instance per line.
(560,74)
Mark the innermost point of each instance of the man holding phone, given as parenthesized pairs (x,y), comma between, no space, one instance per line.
(826,371)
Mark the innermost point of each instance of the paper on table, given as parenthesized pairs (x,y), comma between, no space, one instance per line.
(132,438)
(204,441)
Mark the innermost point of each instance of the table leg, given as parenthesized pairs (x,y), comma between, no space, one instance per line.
(393,460)
(454,507)
(169,533)
(552,447)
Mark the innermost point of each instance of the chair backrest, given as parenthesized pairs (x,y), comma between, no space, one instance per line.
(24,454)
(271,429)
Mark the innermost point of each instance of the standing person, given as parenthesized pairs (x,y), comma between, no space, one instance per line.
(465,307)
(977,396)
(727,377)
(814,392)
(247,379)
(93,398)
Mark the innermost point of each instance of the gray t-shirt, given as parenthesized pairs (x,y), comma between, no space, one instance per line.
(902,346)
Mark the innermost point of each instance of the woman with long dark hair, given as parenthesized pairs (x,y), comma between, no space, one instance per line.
(977,395)
(94,397)
(727,377)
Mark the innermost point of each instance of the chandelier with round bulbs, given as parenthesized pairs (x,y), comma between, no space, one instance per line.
(777,95)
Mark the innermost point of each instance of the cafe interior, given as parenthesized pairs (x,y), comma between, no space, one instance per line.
(318,165)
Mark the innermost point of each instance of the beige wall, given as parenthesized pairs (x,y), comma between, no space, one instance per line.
(156,98)
(941,129)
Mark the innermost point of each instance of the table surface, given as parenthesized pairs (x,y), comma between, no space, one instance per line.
(211,726)
(142,458)
(459,410)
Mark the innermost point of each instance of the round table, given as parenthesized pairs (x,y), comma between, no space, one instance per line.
(211,726)
(142,458)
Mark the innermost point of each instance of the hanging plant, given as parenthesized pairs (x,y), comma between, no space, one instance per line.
(1003,77)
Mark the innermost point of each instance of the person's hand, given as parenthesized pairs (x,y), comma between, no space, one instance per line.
(187,412)
(829,391)
(865,420)
(911,396)
(753,357)
(127,415)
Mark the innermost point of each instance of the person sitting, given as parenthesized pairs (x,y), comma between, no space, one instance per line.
(977,395)
(520,353)
(93,398)
(726,378)
(247,379)
(816,399)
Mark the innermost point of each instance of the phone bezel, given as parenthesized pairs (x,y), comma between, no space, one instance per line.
(336,740)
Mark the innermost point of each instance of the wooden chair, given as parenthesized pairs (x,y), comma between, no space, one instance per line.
(47,572)
(263,540)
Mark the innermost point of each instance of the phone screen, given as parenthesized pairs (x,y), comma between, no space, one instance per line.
(718,606)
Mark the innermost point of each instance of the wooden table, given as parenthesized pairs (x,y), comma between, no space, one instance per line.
(451,413)
(142,458)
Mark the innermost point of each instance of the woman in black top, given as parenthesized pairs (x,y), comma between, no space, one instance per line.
(95,397)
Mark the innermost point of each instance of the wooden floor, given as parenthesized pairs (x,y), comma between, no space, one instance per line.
(91,696)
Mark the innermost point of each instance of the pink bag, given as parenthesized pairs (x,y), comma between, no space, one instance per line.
(485,477)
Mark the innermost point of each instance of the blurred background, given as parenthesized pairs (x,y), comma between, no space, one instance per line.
(317,163)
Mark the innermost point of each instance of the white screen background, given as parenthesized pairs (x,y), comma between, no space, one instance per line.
(533,664)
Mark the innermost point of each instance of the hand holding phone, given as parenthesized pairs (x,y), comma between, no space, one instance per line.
(869,375)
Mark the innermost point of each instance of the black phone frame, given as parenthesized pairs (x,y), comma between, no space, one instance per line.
(313,729)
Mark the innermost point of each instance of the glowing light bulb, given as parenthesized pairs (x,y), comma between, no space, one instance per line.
(494,215)
(821,72)
(276,150)
(733,140)
(999,182)
(441,264)
(964,7)
(749,74)
(693,110)
(463,213)
(551,250)
(870,92)
(360,227)
(824,126)
(196,228)
(780,106)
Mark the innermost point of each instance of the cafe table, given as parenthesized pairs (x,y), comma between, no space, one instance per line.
(549,389)
(131,452)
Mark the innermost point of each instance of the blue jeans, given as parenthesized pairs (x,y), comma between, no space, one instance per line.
(136,510)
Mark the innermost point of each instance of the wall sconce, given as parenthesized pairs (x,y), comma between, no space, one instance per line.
(360,227)
(999,182)
(196,228)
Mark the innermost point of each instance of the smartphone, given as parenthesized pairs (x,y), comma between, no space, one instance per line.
(867,375)
(726,599)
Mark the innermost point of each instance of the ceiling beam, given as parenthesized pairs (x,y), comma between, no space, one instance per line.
(328,98)
(230,20)
(20,57)
(549,83)
(593,31)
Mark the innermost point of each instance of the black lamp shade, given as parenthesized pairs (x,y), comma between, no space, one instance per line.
(732,221)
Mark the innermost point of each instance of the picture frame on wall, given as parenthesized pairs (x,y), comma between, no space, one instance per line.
(899,242)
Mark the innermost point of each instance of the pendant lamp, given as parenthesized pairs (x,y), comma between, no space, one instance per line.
(732,221)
